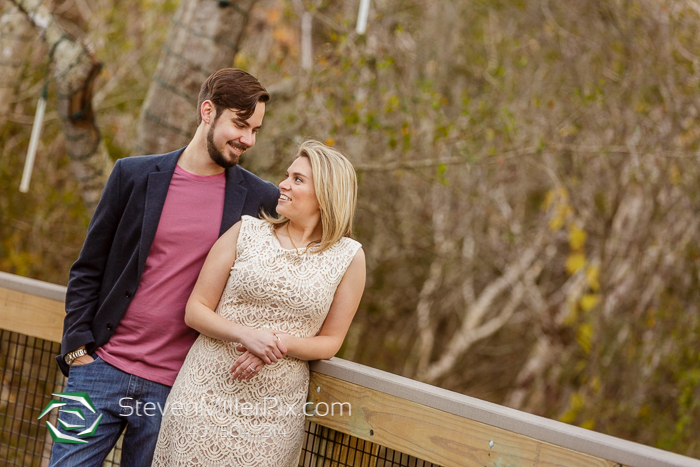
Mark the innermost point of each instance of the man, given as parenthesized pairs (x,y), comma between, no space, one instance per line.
(124,336)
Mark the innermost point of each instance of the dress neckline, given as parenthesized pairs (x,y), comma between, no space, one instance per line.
(279,244)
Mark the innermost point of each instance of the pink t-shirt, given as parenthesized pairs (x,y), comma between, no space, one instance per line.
(152,339)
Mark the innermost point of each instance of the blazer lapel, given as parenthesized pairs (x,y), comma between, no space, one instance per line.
(156,191)
(234,199)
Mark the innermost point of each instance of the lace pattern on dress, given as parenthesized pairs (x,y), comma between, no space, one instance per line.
(260,422)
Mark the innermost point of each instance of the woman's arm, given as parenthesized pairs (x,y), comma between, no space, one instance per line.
(200,315)
(329,339)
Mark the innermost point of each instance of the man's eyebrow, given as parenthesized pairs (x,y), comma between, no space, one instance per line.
(244,122)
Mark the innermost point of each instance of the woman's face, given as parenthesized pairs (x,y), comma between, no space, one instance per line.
(297,199)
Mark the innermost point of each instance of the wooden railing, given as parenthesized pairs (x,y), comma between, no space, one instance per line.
(391,413)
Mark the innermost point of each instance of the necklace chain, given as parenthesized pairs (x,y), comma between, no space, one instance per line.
(293,244)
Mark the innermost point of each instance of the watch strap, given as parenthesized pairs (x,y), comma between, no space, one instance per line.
(71,356)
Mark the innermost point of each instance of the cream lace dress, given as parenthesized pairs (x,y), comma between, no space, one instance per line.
(211,420)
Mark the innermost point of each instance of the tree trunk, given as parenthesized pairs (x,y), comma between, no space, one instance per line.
(204,37)
(15,40)
(74,71)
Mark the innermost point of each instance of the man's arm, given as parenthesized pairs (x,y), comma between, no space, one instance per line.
(269,202)
(87,272)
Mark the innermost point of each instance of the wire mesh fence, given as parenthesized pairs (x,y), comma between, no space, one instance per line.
(29,377)
(324,447)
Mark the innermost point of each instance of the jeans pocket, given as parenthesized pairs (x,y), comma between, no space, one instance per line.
(75,367)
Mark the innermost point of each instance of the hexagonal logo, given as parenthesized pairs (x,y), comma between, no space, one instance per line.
(77,418)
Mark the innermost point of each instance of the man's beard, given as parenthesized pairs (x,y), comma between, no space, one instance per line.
(217,156)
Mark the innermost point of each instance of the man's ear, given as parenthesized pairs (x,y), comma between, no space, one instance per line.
(207,111)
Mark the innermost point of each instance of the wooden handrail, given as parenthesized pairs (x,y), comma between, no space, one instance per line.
(425,421)
(31,307)
(453,429)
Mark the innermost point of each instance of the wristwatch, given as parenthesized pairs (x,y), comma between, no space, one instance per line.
(70,356)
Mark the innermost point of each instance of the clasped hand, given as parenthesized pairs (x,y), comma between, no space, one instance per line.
(260,347)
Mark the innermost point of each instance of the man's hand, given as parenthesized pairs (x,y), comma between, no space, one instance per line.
(84,360)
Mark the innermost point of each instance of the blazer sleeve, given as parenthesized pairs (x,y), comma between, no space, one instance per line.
(269,204)
(86,274)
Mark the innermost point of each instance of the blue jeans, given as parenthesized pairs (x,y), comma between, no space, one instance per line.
(122,400)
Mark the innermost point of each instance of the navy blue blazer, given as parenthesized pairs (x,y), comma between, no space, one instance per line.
(108,270)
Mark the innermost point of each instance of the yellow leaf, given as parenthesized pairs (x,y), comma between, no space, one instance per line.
(569,417)
(574,262)
(595,384)
(584,335)
(573,314)
(675,175)
(577,237)
(548,200)
(556,223)
(589,301)
(563,212)
(576,403)
(329,142)
(592,274)
(588,424)
(563,194)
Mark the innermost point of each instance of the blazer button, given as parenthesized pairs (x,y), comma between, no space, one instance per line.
(127,294)
(109,326)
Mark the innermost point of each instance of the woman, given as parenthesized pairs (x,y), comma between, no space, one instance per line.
(272,294)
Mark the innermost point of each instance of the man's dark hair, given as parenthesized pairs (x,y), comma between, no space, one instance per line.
(231,88)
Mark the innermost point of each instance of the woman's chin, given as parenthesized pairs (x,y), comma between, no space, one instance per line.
(282,209)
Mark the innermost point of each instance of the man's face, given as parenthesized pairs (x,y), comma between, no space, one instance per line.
(229,136)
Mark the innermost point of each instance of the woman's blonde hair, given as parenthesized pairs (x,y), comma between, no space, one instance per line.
(335,183)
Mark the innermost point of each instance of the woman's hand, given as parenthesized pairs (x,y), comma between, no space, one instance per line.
(264,343)
(246,366)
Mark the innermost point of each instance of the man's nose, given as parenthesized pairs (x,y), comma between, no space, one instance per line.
(248,138)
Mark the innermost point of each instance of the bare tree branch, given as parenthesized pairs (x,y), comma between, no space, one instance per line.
(440,209)
(74,71)
(15,40)
(474,327)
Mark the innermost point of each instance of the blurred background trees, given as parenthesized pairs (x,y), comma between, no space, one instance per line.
(528,179)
